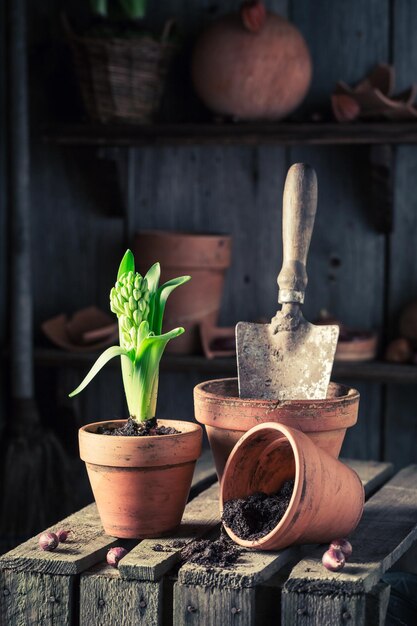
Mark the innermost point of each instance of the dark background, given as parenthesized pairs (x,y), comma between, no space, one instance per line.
(77,203)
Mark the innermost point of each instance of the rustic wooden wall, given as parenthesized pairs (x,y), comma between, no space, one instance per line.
(78,228)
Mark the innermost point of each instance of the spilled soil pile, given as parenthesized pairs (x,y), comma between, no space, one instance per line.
(221,552)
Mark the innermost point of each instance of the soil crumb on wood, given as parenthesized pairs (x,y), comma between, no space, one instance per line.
(221,552)
(149,428)
(177,543)
(255,516)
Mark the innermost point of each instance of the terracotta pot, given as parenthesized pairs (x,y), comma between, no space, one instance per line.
(251,71)
(362,348)
(140,484)
(205,258)
(226,416)
(328,496)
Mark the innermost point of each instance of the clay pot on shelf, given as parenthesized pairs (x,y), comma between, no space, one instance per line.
(227,417)
(218,342)
(356,345)
(399,351)
(253,65)
(353,344)
(328,497)
(140,484)
(205,258)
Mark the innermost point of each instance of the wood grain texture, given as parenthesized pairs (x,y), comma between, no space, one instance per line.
(387,530)
(232,134)
(369,371)
(108,600)
(30,599)
(376,605)
(401,424)
(252,568)
(196,605)
(346,255)
(201,516)
(86,547)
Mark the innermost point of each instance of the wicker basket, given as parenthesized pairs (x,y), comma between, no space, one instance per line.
(121,80)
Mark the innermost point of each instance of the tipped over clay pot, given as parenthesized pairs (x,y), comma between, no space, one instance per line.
(204,257)
(140,484)
(227,417)
(327,499)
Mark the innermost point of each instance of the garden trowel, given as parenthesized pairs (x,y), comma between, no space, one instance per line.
(289,359)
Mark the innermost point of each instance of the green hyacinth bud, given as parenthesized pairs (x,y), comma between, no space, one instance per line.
(129,300)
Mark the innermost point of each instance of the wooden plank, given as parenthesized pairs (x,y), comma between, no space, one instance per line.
(373,371)
(86,547)
(201,516)
(285,133)
(376,605)
(32,599)
(204,474)
(387,530)
(106,598)
(253,568)
(195,605)
(401,424)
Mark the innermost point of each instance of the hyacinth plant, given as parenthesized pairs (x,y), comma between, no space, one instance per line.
(139,304)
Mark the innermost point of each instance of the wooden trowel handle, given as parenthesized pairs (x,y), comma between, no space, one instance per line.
(298,213)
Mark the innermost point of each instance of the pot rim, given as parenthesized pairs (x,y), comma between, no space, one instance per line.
(182,234)
(202,390)
(297,490)
(105,450)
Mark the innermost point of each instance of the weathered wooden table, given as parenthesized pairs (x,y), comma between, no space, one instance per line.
(73,585)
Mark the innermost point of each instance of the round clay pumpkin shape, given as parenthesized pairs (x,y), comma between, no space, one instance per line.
(252,65)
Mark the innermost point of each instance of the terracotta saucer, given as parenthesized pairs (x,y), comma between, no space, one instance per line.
(373,98)
(87,330)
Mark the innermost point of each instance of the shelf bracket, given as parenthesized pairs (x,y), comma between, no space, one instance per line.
(382,175)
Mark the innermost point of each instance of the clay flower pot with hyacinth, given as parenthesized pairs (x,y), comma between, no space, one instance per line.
(140,469)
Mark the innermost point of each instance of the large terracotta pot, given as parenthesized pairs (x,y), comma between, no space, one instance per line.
(328,496)
(205,258)
(140,484)
(252,65)
(227,417)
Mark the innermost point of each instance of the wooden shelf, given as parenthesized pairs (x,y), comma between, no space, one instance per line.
(373,371)
(285,133)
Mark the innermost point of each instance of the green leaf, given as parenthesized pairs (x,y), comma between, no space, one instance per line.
(107,355)
(157,342)
(161,298)
(152,276)
(145,376)
(127,264)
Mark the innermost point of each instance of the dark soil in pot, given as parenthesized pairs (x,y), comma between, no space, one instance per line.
(131,428)
(257,515)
